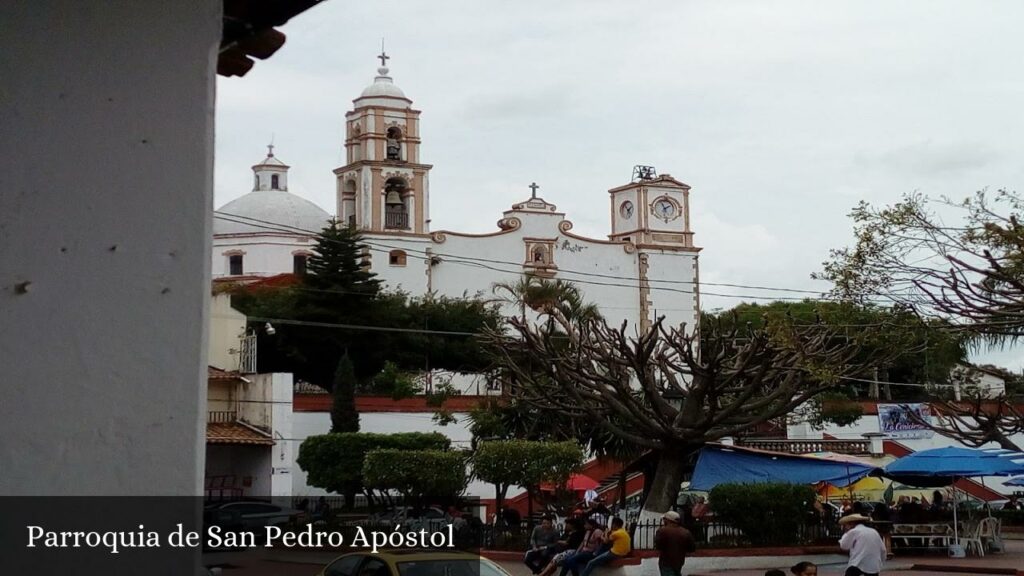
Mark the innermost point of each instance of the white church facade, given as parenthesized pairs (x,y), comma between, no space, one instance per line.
(645,268)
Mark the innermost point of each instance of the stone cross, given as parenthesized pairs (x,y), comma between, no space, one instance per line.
(383,56)
(533,189)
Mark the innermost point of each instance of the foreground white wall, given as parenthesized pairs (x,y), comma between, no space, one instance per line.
(106,171)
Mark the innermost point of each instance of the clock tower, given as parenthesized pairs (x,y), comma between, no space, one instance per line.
(652,210)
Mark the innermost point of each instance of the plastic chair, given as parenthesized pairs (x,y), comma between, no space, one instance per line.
(990,533)
(971,538)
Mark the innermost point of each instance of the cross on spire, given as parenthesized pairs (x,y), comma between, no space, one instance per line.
(533,190)
(270,149)
(383,55)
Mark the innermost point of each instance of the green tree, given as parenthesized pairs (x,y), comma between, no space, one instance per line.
(768,514)
(525,463)
(422,477)
(322,311)
(344,417)
(334,462)
(959,262)
(926,349)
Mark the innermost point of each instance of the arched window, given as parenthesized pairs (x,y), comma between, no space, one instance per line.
(396,258)
(275,182)
(394,144)
(396,212)
(257,182)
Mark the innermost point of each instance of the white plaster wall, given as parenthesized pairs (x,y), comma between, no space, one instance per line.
(226,327)
(105,218)
(264,255)
(242,462)
(282,429)
(673,278)
(412,277)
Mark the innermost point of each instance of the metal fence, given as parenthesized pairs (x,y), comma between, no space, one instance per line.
(722,535)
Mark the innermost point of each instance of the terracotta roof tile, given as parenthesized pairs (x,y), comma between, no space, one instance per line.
(218,374)
(235,433)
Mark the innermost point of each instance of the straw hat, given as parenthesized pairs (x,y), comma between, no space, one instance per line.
(854,518)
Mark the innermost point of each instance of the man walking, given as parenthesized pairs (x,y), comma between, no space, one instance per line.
(673,543)
(867,550)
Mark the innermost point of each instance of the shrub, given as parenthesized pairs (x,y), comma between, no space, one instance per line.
(334,462)
(768,514)
(421,476)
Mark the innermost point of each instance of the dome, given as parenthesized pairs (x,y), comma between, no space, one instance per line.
(384,87)
(276,208)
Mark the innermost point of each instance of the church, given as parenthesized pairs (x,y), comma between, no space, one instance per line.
(646,267)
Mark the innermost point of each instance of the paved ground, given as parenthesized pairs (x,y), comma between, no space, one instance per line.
(259,563)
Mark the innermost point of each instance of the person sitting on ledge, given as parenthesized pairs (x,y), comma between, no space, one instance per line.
(619,546)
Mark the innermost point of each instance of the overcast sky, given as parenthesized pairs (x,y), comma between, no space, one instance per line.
(780,115)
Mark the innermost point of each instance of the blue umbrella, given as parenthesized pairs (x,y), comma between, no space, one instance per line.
(930,467)
(1015,481)
(955,462)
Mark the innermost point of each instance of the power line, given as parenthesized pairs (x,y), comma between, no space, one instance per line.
(376,246)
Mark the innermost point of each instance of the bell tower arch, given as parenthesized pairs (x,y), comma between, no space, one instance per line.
(383,187)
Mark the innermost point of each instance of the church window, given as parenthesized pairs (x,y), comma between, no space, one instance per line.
(394,143)
(257,182)
(235,265)
(299,264)
(275,182)
(396,212)
(396,258)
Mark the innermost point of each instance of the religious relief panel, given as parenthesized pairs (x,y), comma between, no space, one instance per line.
(540,256)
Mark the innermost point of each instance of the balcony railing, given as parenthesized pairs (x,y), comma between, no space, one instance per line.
(396,220)
(808,446)
(221,416)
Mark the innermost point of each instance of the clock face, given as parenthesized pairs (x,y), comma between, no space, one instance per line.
(626,209)
(665,209)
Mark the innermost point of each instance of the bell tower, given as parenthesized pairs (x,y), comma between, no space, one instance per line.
(383,187)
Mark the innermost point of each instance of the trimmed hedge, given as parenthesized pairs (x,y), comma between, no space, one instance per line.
(334,462)
(769,514)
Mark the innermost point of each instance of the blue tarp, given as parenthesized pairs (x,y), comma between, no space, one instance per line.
(928,467)
(721,464)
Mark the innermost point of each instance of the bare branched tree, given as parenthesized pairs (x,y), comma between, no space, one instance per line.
(970,274)
(656,391)
(977,421)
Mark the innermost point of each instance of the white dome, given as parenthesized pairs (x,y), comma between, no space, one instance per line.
(384,87)
(280,212)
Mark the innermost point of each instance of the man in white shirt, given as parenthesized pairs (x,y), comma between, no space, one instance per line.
(867,550)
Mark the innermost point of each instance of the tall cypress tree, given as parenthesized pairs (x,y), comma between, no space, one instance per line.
(344,417)
(338,262)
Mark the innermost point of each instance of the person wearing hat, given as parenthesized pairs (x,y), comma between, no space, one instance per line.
(673,543)
(865,545)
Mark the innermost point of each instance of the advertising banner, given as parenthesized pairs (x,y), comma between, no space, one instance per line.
(904,420)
